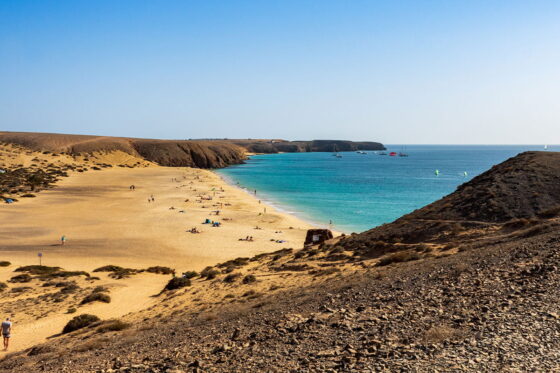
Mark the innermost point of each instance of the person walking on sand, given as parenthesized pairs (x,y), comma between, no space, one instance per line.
(62,240)
(6,332)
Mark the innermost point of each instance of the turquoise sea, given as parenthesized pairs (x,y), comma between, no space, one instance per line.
(360,191)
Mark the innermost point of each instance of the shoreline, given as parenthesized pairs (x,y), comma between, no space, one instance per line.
(278,206)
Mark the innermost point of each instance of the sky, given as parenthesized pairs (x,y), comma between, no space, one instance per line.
(432,72)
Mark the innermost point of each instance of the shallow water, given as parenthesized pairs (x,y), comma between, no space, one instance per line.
(361,191)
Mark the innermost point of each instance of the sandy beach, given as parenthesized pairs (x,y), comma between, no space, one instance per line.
(105,222)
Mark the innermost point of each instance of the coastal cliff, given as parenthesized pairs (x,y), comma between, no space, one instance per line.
(177,153)
(283,146)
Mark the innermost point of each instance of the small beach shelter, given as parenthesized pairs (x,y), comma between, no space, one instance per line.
(317,236)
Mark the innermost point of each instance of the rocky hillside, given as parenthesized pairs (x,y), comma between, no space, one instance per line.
(488,309)
(516,194)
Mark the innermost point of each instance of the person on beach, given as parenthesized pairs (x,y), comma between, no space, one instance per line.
(62,240)
(6,332)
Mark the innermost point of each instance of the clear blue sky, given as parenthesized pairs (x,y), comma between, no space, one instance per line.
(394,71)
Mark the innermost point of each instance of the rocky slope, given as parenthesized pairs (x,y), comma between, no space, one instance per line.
(486,303)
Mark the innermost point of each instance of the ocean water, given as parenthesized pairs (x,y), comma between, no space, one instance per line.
(361,191)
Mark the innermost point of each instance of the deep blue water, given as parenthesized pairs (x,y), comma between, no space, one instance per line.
(358,191)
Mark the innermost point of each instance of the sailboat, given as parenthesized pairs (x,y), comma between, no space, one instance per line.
(546,147)
(402,153)
(436,172)
(335,152)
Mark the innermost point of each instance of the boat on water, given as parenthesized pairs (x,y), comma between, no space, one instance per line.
(382,153)
(546,147)
(392,154)
(361,152)
(338,155)
(402,152)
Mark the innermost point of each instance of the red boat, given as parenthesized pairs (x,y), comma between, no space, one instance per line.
(392,154)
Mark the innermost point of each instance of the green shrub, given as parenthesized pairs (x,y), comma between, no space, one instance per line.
(209,272)
(160,270)
(38,269)
(71,310)
(96,297)
(3,286)
(79,322)
(20,278)
(249,279)
(4,263)
(20,289)
(232,277)
(190,274)
(177,283)
(117,272)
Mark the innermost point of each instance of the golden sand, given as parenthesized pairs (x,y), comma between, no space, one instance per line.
(107,223)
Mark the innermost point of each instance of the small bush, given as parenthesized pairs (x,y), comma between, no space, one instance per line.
(20,289)
(38,269)
(4,263)
(28,195)
(160,270)
(71,310)
(177,283)
(398,257)
(112,326)
(97,297)
(190,274)
(109,268)
(3,286)
(324,271)
(206,270)
(79,322)
(249,279)
(117,272)
(210,274)
(99,289)
(232,277)
(63,274)
(237,262)
(20,278)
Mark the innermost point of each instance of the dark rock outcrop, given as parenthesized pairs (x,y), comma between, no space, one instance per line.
(282,146)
